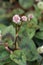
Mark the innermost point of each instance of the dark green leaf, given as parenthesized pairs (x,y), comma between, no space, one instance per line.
(11,63)
(39,35)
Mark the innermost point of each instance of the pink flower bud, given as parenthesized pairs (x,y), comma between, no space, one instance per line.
(24,18)
(30,16)
(16,19)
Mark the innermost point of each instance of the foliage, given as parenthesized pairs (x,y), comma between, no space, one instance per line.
(18,57)
(19,41)
(26,4)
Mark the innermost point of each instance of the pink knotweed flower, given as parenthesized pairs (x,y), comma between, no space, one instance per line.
(30,16)
(16,19)
(24,18)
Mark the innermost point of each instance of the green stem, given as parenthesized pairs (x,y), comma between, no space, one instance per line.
(16,43)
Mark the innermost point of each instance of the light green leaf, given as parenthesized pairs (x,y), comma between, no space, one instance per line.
(18,57)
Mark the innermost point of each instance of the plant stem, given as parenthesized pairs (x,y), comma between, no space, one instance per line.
(16,43)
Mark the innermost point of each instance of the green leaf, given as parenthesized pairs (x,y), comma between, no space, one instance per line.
(41,25)
(34,20)
(30,32)
(1,63)
(17,11)
(38,42)
(26,3)
(1,48)
(37,11)
(4,16)
(10,29)
(2,26)
(18,57)
(22,29)
(4,55)
(29,49)
(39,35)
(11,63)
(9,41)
(2,11)
(25,30)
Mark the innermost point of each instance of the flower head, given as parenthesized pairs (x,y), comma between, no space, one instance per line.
(30,16)
(37,0)
(40,5)
(40,49)
(16,19)
(24,18)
